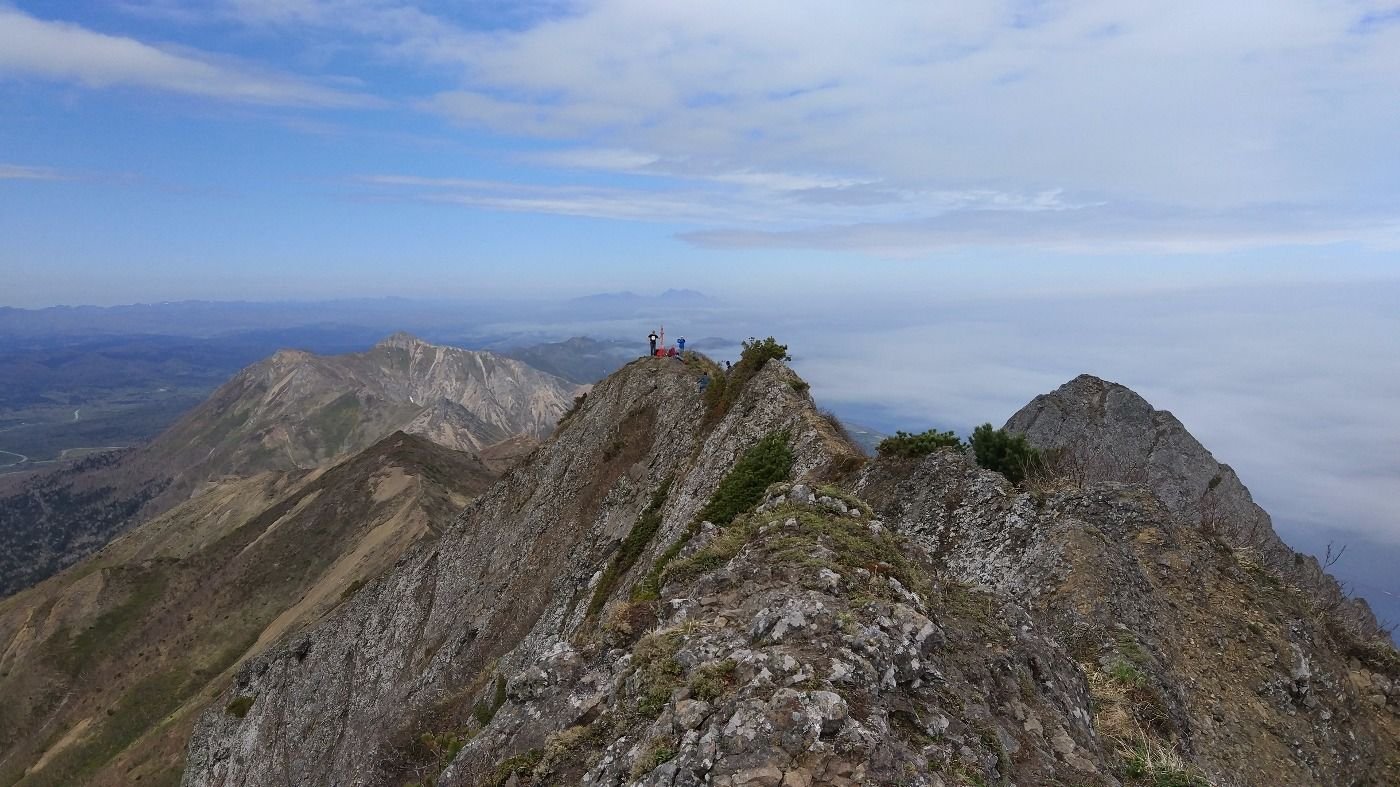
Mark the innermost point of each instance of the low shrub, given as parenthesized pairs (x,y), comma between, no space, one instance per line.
(520,765)
(766,463)
(1006,453)
(909,445)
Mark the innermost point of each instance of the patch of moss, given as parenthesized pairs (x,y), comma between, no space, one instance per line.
(484,709)
(1132,649)
(657,754)
(660,672)
(522,764)
(239,707)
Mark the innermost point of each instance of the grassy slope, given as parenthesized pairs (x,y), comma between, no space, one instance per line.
(103,667)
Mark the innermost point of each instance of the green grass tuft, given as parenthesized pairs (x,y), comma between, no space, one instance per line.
(766,463)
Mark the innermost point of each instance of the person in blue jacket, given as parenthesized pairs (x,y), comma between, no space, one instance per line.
(704,382)
(680,344)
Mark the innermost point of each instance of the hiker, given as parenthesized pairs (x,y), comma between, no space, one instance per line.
(704,381)
(671,353)
(728,367)
(652,338)
(680,343)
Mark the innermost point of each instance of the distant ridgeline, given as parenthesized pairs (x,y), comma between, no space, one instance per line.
(293,411)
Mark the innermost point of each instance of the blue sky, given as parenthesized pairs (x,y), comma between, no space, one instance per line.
(273,148)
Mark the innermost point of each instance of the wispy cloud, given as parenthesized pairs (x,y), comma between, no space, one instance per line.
(896,129)
(23,172)
(1087,229)
(37,48)
(754,200)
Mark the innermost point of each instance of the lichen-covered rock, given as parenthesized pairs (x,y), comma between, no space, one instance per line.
(772,676)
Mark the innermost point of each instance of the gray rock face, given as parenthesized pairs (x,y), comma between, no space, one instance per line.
(772,676)
(1175,632)
(502,589)
(1103,431)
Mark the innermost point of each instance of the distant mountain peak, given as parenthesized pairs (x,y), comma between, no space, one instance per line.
(670,297)
(402,340)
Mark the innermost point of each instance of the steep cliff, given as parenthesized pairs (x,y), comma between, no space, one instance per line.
(1190,647)
(507,583)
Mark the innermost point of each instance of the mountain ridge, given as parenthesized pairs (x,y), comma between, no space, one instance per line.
(913,621)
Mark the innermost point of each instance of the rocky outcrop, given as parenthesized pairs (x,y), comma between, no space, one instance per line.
(790,662)
(1187,643)
(1103,431)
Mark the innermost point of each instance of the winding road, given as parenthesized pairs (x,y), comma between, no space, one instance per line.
(22,459)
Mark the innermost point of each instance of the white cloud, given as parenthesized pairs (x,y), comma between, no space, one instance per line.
(1192,109)
(1105,228)
(31,47)
(906,127)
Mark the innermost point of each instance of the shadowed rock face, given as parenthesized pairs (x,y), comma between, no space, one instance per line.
(1102,431)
